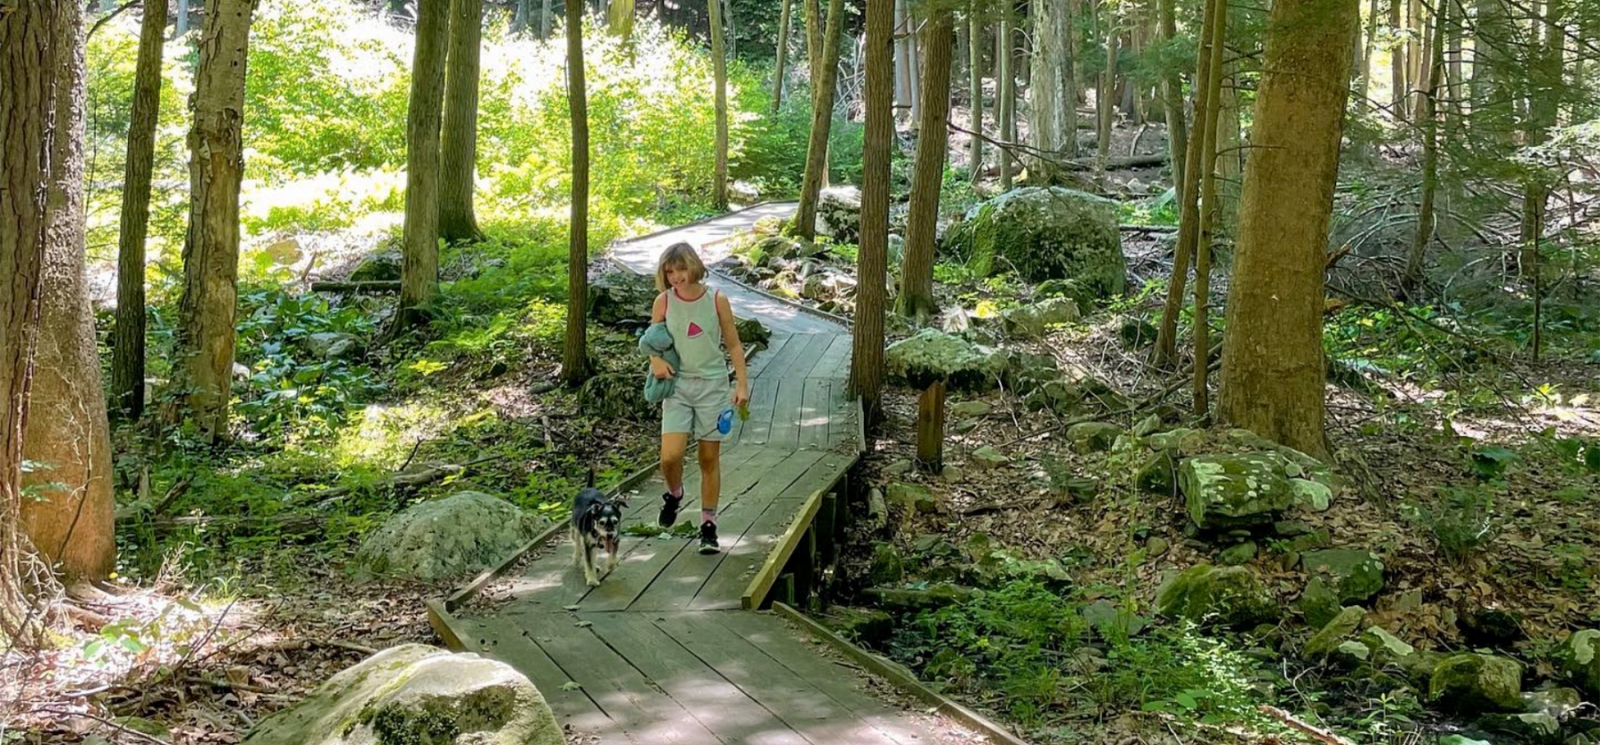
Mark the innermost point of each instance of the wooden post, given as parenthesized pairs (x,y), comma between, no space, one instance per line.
(826,518)
(786,585)
(930,427)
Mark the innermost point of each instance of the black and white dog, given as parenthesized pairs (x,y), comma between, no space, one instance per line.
(596,522)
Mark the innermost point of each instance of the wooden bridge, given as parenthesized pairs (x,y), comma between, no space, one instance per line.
(666,649)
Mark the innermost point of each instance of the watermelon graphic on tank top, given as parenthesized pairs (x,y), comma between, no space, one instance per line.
(694,330)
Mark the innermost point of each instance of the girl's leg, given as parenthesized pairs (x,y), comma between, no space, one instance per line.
(673,445)
(710,476)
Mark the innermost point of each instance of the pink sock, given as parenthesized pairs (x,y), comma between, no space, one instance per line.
(708,516)
(676,492)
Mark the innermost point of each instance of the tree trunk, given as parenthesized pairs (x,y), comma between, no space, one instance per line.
(1172,104)
(814,50)
(70,520)
(1397,63)
(520,16)
(1103,100)
(975,88)
(459,155)
(719,73)
(1006,95)
(1166,351)
(545,14)
(181,23)
(905,60)
(30,52)
(782,56)
(1053,118)
(1368,42)
(730,34)
(127,347)
(1272,360)
(821,121)
(574,352)
(1429,118)
(207,307)
(866,361)
(419,250)
(916,285)
(1211,207)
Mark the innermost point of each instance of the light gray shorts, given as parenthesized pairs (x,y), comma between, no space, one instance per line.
(694,406)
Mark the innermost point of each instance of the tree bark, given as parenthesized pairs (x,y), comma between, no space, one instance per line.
(1108,84)
(1172,104)
(782,55)
(1053,118)
(30,33)
(927,179)
(419,250)
(1368,42)
(1397,64)
(1429,118)
(128,335)
(1211,208)
(805,224)
(459,154)
(70,520)
(520,16)
(975,87)
(719,74)
(1272,360)
(544,20)
(814,49)
(866,361)
(207,308)
(574,352)
(181,23)
(1006,95)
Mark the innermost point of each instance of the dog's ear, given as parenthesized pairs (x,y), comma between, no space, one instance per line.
(621,501)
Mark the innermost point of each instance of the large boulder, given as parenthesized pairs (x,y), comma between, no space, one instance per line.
(618,296)
(932,356)
(1579,657)
(414,693)
(839,213)
(1207,594)
(461,534)
(1046,233)
(1471,683)
(1234,490)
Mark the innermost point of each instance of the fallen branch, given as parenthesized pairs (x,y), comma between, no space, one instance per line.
(1114,164)
(1148,229)
(400,478)
(373,286)
(1315,733)
(120,728)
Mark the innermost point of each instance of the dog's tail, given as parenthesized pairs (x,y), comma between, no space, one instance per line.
(591,477)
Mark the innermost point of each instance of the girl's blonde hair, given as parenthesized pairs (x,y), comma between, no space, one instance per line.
(679,256)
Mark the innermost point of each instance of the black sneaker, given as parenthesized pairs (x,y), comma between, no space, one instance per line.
(669,509)
(708,538)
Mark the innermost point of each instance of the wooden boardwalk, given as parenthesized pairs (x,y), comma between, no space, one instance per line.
(660,652)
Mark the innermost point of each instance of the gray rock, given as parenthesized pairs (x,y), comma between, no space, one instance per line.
(461,534)
(383,267)
(1334,633)
(1237,554)
(888,568)
(1353,575)
(621,295)
(1477,683)
(932,356)
(1032,322)
(1089,437)
(1226,491)
(877,510)
(913,497)
(1045,233)
(1558,703)
(839,213)
(987,458)
(952,475)
(417,694)
(1579,657)
(1206,594)
(970,409)
(1180,441)
(333,345)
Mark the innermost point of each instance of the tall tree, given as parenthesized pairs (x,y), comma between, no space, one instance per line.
(782,55)
(1272,360)
(927,179)
(30,51)
(1429,118)
(69,521)
(975,86)
(207,308)
(1105,108)
(127,348)
(180,25)
(544,19)
(459,154)
(719,74)
(805,224)
(1172,101)
(1005,86)
(419,248)
(866,361)
(814,49)
(1210,212)
(1054,118)
(574,352)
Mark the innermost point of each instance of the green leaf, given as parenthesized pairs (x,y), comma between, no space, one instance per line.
(570,686)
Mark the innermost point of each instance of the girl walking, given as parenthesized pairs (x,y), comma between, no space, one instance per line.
(700,322)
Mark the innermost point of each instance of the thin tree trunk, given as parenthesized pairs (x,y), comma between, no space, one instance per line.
(1397,64)
(1368,42)
(545,13)
(782,55)
(181,25)
(1429,118)
(1006,92)
(1172,104)
(1231,153)
(1273,372)
(128,335)
(207,307)
(1103,103)
(519,17)
(1424,65)
(1210,207)
(916,294)
(70,521)
(574,353)
(821,122)
(975,87)
(866,361)
(1166,351)
(730,34)
(419,253)
(459,154)
(1053,121)
(30,52)
(814,50)
(719,72)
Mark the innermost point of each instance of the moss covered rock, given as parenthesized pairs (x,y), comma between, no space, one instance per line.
(1476,683)
(1579,656)
(1046,233)
(888,568)
(1092,437)
(1353,575)
(1337,631)
(1206,594)
(913,497)
(932,356)
(414,693)
(1234,490)
(459,535)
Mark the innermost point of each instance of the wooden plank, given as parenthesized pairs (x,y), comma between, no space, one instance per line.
(786,415)
(763,399)
(814,714)
(719,705)
(763,361)
(640,568)
(902,678)
(815,409)
(625,694)
(808,356)
(512,646)
(726,585)
(680,583)
(756,591)
(843,682)
(834,361)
